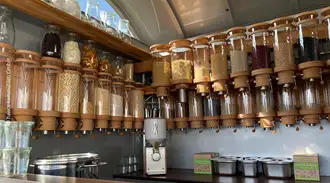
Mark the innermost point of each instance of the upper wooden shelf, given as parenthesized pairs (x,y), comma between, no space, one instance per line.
(51,15)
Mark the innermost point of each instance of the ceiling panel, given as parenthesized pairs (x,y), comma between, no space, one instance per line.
(200,16)
(312,4)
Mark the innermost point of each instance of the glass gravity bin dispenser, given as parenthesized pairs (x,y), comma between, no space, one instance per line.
(310,66)
(262,70)
(326,55)
(201,54)
(240,73)
(285,68)
(161,75)
(23,85)
(138,106)
(181,78)
(47,79)
(195,109)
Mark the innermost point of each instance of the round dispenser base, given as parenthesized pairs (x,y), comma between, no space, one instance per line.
(47,120)
(288,117)
(219,86)
(181,123)
(21,115)
(138,123)
(262,76)
(229,120)
(68,122)
(170,124)
(311,116)
(196,122)
(86,122)
(241,79)
(311,69)
(102,121)
(247,120)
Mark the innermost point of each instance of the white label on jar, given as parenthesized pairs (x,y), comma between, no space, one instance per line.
(117,105)
(71,52)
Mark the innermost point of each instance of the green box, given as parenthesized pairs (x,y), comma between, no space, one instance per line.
(306,167)
(202,162)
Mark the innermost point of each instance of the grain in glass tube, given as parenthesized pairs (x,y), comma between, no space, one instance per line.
(129,71)
(68,96)
(161,65)
(103,95)
(117,101)
(201,56)
(219,54)
(138,103)
(88,93)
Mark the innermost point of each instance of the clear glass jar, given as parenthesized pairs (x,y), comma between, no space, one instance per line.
(129,71)
(71,51)
(92,12)
(48,77)
(103,94)
(307,27)
(238,52)
(195,104)
(326,95)
(128,107)
(7,30)
(310,94)
(265,100)
(118,66)
(161,65)
(260,48)
(219,56)
(211,105)
(71,7)
(104,64)
(283,45)
(89,58)
(181,62)
(245,101)
(87,92)
(167,107)
(23,77)
(138,102)
(201,54)
(6,55)
(68,90)
(117,99)
(325,46)
(286,97)
(228,104)
(123,30)
(51,44)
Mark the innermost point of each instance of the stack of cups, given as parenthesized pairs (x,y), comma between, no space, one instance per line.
(15,152)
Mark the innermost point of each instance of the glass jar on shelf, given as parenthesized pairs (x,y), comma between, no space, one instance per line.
(161,68)
(246,110)
(118,67)
(87,97)
(47,79)
(104,62)
(138,105)
(128,106)
(116,103)
(195,102)
(71,7)
(23,85)
(211,106)
(181,114)
(103,100)
(92,12)
(167,111)
(201,54)
(89,57)
(124,31)
(129,71)
(7,30)
(68,97)
(51,43)
(265,106)
(238,56)
(287,104)
(71,50)
(219,61)
(228,108)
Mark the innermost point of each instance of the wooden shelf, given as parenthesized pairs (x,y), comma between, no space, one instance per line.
(43,11)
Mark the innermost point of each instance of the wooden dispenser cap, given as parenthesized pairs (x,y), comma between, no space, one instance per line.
(326,110)
(128,124)
(240,79)
(162,91)
(312,119)
(287,21)
(325,13)
(262,76)
(47,120)
(181,122)
(212,121)
(247,120)
(311,69)
(22,115)
(179,43)
(258,27)
(169,123)
(217,37)
(289,120)
(285,77)
(158,48)
(267,122)
(115,124)
(138,124)
(308,15)
(236,31)
(311,116)
(86,122)
(203,88)
(102,121)
(219,86)
(196,122)
(68,121)
(200,41)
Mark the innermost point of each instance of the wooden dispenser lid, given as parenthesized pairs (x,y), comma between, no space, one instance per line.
(6,50)
(200,41)
(217,37)
(51,61)
(262,76)
(308,16)
(325,13)
(68,121)
(258,27)
(281,22)
(102,121)
(22,115)
(236,31)
(170,123)
(311,69)
(158,48)
(179,43)
(27,54)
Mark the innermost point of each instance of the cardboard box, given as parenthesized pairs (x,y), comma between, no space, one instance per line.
(306,167)
(202,162)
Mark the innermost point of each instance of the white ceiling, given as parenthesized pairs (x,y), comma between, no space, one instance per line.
(160,21)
